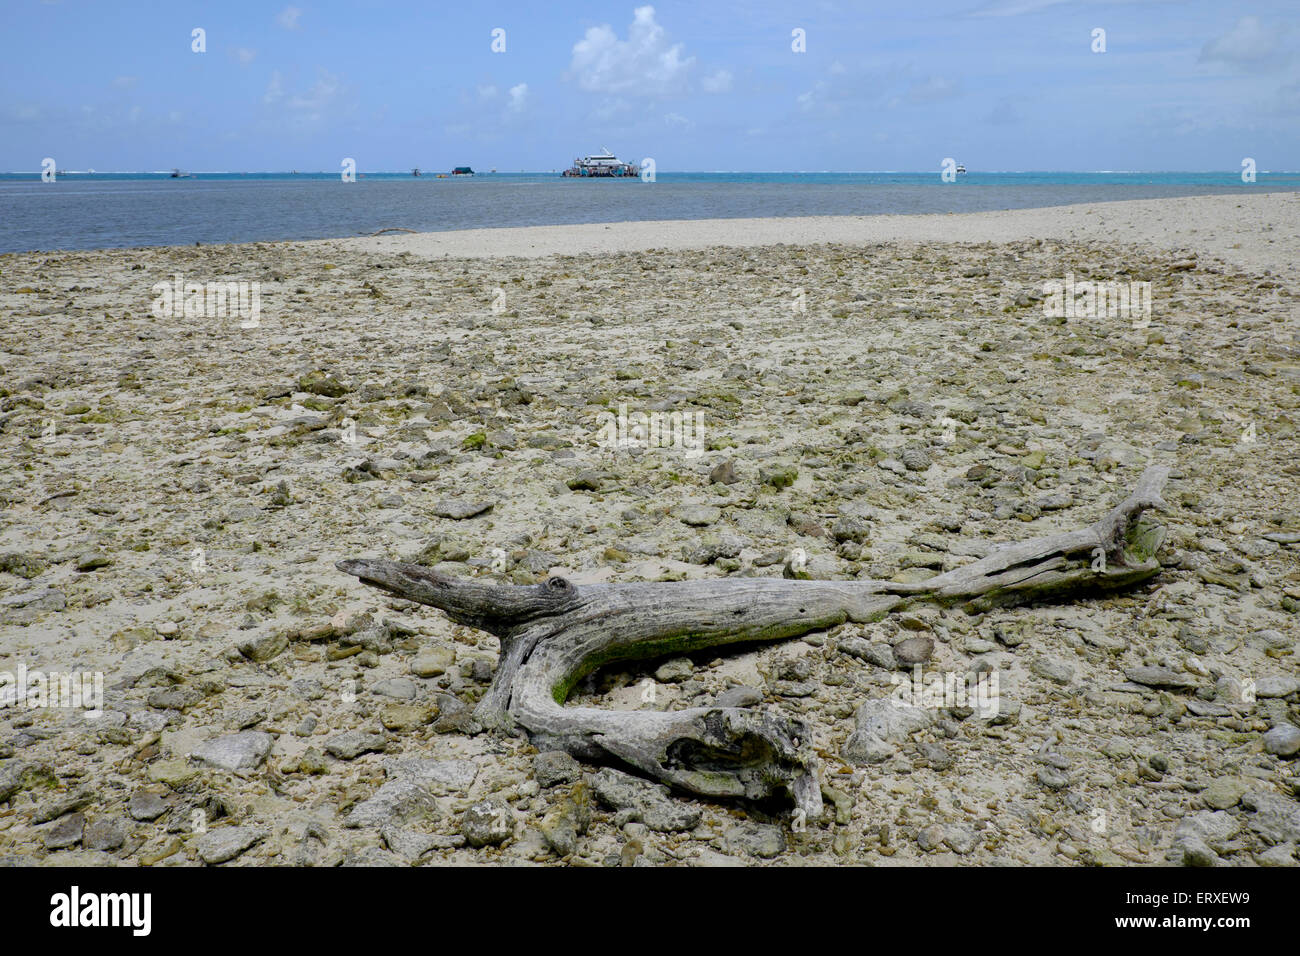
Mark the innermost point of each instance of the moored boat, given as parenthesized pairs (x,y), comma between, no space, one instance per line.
(603,165)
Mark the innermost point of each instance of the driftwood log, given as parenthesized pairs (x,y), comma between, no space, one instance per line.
(554,633)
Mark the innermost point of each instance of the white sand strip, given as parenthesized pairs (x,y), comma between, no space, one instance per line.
(1257,231)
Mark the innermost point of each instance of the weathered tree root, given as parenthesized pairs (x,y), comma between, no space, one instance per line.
(554,633)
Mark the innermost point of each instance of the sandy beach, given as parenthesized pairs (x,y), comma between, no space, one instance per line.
(1253,231)
(893,395)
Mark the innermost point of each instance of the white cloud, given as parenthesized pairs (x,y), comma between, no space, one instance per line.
(244,55)
(320,96)
(309,106)
(809,99)
(1014,8)
(935,88)
(487,92)
(644,63)
(1011,8)
(288,18)
(1248,44)
(677,120)
(610,109)
(717,82)
(125,82)
(274,89)
(518,97)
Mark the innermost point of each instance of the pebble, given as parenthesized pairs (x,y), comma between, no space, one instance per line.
(879,653)
(1052,669)
(458,510)
(1275,818)
(675,670)
(915,458)
(433,661)
(698,516)
(649,801)
(399,688)
(724,473)
(77,800)
(226,843)
(1276,686)
(1052,778)
(66,832)
(242,751)
(396,802)
(434,773)
(264,647)
(755,839)
(105,834)
(1160,677)
(353,743)
(913,650)
(554,767)
(851,528)
(146,805)
(1223,793)
(487,823)
(1283,740)
(881,725)
(411,845)
(739,697)
(93,561)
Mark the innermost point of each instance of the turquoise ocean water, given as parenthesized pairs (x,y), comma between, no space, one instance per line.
(82,210)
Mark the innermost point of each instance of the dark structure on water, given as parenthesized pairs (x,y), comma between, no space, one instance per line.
(601,165)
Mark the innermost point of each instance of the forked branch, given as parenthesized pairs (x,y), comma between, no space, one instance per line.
(554,633)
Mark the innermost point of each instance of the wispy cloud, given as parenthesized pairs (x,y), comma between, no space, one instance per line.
(1249,45)
(310,106)
(518,97)
(274,88)
(931,89)
(717,82)
(288,18)
(1015,8)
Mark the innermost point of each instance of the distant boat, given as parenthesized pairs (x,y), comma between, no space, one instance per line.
(603,164)
(960,168)
(462,171)
(177,174)
(415,171)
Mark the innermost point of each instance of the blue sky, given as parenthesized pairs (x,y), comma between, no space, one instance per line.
(711,84)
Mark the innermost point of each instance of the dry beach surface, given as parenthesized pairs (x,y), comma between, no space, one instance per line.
(176,491)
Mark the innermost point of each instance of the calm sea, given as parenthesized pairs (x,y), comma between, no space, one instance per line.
(99,210)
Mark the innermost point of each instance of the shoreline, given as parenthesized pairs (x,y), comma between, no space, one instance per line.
(1257,232)
(1264,235)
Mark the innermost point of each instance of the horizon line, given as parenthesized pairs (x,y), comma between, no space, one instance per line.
(716,172)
